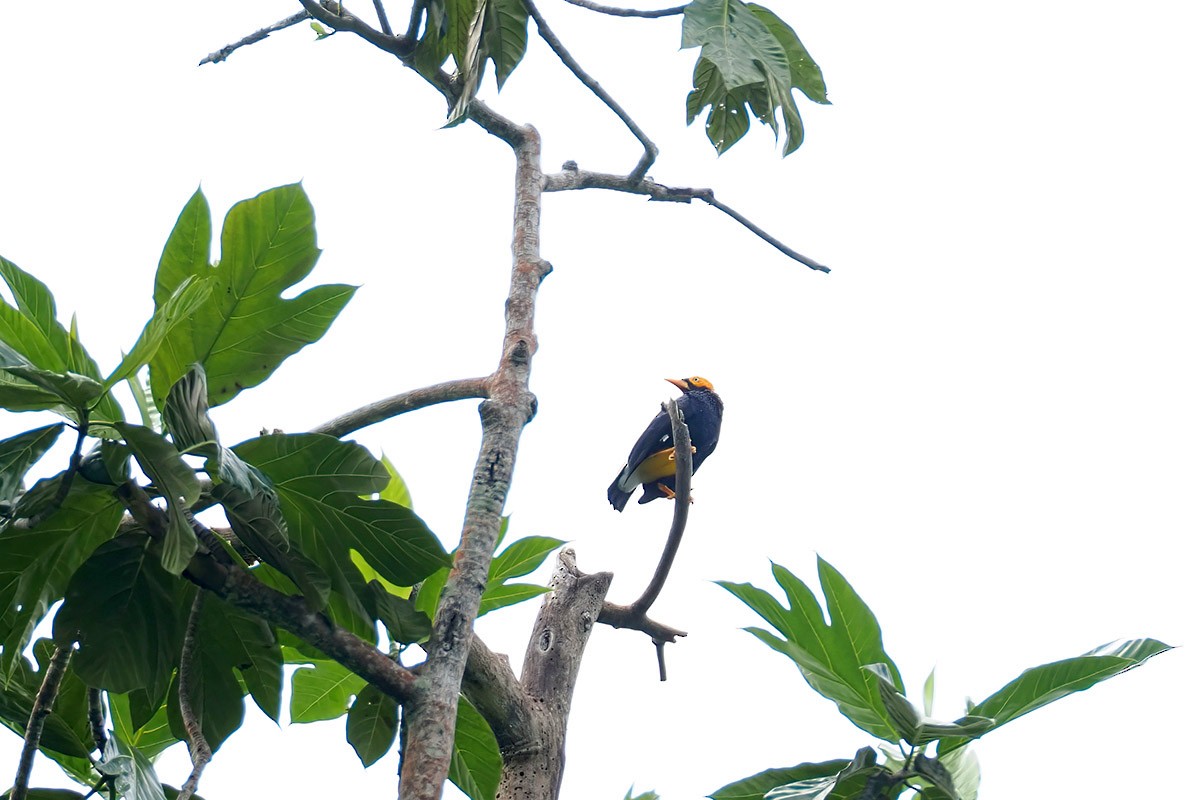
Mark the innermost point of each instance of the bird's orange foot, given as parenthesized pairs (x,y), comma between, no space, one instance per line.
(670,493)
(672,458)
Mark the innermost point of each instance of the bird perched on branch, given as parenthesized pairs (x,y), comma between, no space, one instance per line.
(652,460)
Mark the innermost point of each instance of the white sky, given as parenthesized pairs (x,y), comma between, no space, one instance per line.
(985,417)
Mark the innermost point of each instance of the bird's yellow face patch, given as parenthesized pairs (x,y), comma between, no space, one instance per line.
(694,382)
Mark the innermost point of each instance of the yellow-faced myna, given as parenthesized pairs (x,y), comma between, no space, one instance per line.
(652,460)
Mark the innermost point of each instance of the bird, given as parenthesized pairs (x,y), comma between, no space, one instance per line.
(652,461)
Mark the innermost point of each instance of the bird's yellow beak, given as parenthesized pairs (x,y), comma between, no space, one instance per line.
(681,385)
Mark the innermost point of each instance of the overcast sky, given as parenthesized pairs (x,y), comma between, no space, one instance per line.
(985,416)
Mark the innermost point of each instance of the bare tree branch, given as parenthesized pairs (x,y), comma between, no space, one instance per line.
(509,407)
(629,12)
(43,704)
(198,747)
(218,56)
(402,403)
(572,178)
(650,151)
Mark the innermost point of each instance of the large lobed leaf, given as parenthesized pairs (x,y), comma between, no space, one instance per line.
(18,454)
(321,482)
(750,61)
(122,608)
(244,329)
(830,656)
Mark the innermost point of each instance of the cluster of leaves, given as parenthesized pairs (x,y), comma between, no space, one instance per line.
(309,514)
(749,64)
(844,660)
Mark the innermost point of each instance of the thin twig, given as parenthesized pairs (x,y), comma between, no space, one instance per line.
(43,704)
(197,745)
(650,151)
(629,12)
(218,56)
(96,718)
(383,20)
(573,178)
(406,401)
(683,499)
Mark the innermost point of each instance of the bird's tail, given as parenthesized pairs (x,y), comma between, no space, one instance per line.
(617,497)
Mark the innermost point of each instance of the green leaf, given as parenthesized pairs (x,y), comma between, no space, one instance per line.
(322,691)
(18,454)
(37,563)
(177,483)
(145,403)
(131,772)
(47,794)
(1042,685)
(805,74)
(151,737)
(32,332)
(522,557)
(233,639)
(320,482)
(475,765)
(182,303)
(371,725)
(755,786)
(830,656)
(963,764)
(430,592)
(256,519)
(507,594)
(642,796)
(244,329)
(405,624)
(937,780)
(913,726)
(185,413)
(186,254)
(748,57)
(396,490)
(121,608)
(927,694)
(505,36)
(470,64)
(78,392)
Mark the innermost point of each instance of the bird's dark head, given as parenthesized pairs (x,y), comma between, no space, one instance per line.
(692,383)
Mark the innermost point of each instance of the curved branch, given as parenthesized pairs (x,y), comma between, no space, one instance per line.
(384,25)
(96,718)
(628,12)
(43,704)
(198,747)
(402,403)
(683,499)
(572,178)
(650,151)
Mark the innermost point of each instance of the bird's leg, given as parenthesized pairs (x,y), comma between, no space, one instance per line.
(670,493)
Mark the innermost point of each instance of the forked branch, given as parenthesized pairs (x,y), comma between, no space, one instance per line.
(649,150)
